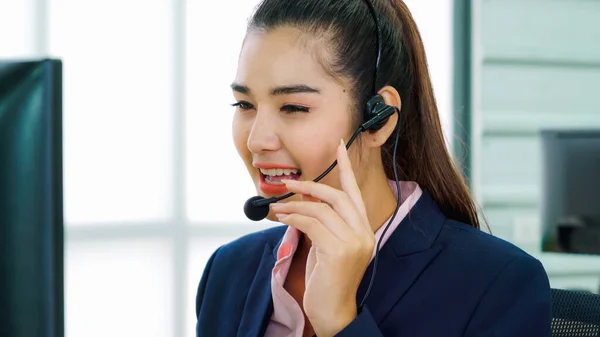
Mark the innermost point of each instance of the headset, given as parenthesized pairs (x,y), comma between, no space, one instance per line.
(376,115)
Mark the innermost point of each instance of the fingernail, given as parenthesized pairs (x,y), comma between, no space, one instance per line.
(342,143)
(288,181)
(281,216)
(275,206)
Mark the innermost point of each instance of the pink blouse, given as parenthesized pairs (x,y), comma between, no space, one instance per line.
(287,319)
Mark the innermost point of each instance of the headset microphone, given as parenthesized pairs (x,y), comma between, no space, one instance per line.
(257,208)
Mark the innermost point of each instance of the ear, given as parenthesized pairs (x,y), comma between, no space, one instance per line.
(390,97)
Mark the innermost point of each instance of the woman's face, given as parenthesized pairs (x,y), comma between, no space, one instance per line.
(290,115)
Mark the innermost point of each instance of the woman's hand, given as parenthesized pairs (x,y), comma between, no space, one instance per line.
(342,245)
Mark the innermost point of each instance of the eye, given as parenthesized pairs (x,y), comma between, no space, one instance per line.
(293,108)
(243,105)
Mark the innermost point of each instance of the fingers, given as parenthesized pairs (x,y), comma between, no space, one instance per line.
(338,200)
(348,180)
(317,232)
(305,197)
(320,211)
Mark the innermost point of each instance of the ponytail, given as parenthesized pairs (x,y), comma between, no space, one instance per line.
(423,156)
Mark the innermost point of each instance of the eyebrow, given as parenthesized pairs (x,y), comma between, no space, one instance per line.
(281,90)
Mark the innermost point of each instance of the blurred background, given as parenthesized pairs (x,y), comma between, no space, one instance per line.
(153,184)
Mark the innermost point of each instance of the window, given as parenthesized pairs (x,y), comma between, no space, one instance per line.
(212,49)
(118,108)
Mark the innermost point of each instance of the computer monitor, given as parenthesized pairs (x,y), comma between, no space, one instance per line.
(31,199)
(571,191)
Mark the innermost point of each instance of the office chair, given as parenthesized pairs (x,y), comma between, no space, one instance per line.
(575,314)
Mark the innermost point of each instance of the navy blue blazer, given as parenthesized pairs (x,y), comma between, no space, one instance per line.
(435,277)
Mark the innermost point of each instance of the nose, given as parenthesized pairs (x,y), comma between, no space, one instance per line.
(263,135)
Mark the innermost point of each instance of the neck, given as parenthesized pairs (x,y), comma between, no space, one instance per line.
(380,201)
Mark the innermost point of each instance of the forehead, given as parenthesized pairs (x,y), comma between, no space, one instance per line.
(280,57)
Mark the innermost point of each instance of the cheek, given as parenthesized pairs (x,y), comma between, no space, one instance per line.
(316,146)
(240,132)
(315,153)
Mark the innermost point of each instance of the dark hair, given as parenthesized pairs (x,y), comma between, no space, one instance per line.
(348,30)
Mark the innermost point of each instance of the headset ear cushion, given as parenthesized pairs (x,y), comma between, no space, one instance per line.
(375,106)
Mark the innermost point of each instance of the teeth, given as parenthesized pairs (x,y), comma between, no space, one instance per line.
(278,172)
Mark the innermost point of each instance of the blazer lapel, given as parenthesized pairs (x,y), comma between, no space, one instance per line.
(259,302)
(403,258)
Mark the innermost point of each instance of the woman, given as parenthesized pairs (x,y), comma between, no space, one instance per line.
(306,70)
